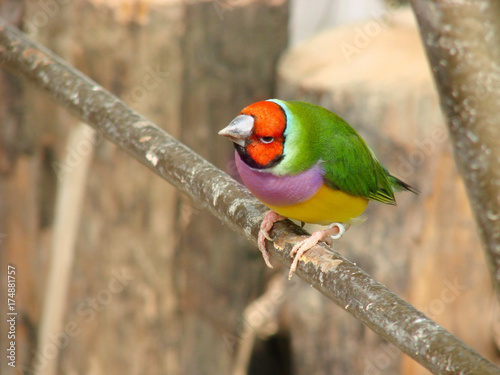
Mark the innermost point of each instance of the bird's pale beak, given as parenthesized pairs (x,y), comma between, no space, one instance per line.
(239,130)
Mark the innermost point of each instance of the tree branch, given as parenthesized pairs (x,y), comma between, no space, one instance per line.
(462,40)
(345,284)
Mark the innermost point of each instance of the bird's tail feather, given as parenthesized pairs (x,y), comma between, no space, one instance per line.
(399,185)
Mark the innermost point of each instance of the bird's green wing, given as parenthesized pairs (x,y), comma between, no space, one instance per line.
(316,134)
(350,166)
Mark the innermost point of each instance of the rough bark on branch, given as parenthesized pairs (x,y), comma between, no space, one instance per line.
(345,284)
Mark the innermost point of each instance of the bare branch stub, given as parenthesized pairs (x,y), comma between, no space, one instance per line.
(334,276)
(462,40)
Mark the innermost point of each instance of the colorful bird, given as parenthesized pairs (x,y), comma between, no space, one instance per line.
(306,163)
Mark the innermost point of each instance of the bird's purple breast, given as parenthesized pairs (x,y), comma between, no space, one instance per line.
(280,190)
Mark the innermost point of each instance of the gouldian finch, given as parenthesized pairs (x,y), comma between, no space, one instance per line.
(306,163)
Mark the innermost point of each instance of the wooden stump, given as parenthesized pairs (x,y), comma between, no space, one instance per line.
(156,284)
(376,77)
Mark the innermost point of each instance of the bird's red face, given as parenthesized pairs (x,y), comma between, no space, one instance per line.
(258,134)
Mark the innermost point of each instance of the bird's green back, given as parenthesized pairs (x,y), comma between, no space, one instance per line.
(314,134)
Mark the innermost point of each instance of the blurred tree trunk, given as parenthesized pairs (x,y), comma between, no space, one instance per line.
(21,218)
(157,285)
(463,46)
(375,76)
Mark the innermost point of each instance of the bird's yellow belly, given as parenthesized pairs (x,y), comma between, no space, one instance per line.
(325,207)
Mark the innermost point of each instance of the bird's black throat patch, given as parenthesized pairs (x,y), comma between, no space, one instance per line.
(247,159)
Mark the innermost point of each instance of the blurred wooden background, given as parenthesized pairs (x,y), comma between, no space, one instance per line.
(152,284)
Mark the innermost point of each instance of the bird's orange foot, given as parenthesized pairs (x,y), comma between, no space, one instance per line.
(266,225)
(334,232)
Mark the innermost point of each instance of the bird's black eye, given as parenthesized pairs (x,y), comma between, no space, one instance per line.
(267,139)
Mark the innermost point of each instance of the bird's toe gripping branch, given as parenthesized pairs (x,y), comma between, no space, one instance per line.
(266,225)
(333,232)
